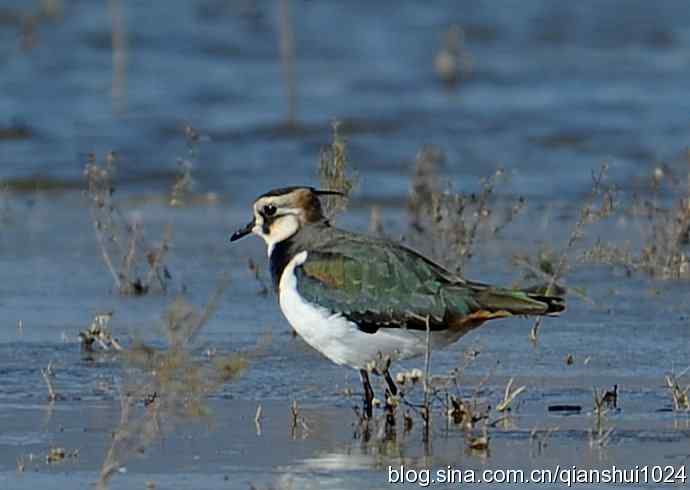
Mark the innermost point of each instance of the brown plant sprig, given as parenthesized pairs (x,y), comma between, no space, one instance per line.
(589,213)
(167,387)
(335,173)
(121,242)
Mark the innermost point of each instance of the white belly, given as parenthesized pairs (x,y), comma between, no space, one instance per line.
(338,338)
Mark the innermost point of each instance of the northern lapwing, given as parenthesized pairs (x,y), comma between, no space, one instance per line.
(355,298)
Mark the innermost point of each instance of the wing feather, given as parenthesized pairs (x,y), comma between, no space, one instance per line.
(378,287)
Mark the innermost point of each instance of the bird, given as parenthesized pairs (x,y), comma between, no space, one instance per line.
(357,298)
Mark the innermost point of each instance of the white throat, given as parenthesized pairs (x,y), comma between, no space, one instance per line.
(281,229)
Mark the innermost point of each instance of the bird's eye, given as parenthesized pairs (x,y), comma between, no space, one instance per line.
(269,210)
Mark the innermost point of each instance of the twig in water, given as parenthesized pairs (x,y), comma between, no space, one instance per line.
(541,437)
(257,419)
(509,396)
(297,422)
(600,437)
(47,373)
(681,401)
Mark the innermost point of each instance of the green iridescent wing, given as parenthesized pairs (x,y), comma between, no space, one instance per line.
(377,285)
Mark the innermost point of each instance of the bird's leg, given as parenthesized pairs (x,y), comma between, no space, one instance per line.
(368,393)
(391,384)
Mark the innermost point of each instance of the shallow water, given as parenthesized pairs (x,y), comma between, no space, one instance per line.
(555,90)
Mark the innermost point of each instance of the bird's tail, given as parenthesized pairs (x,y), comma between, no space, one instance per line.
(518,302)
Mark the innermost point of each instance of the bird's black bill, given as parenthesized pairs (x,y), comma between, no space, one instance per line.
(242,232)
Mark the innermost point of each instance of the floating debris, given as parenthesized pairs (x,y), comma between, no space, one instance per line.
(460,413)
(98,333)
(47,374)
(479,443)
(565,409)
(58,454)
(610,398)
(412,376)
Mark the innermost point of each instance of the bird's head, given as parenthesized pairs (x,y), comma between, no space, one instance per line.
(280,213)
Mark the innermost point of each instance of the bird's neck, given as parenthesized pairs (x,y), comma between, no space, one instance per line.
(282,252)
(280,255)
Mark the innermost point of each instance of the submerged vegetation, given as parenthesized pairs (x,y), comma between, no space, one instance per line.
(165,387)
(662,223)
(164,384)
(135,266)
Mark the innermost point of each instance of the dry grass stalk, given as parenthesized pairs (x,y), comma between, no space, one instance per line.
(425,184)
(298,422)
(509,396)
(456,410)
(47,374)
(681,401)
(166,387)
(452,220)
(665,252)
(257,419)
(588,214)
(600,408)
(541,437)
(122,242)
(184,182)
(598,436)
(602,439)
(335,174)
(468,414)
(482,212)
(664,232)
